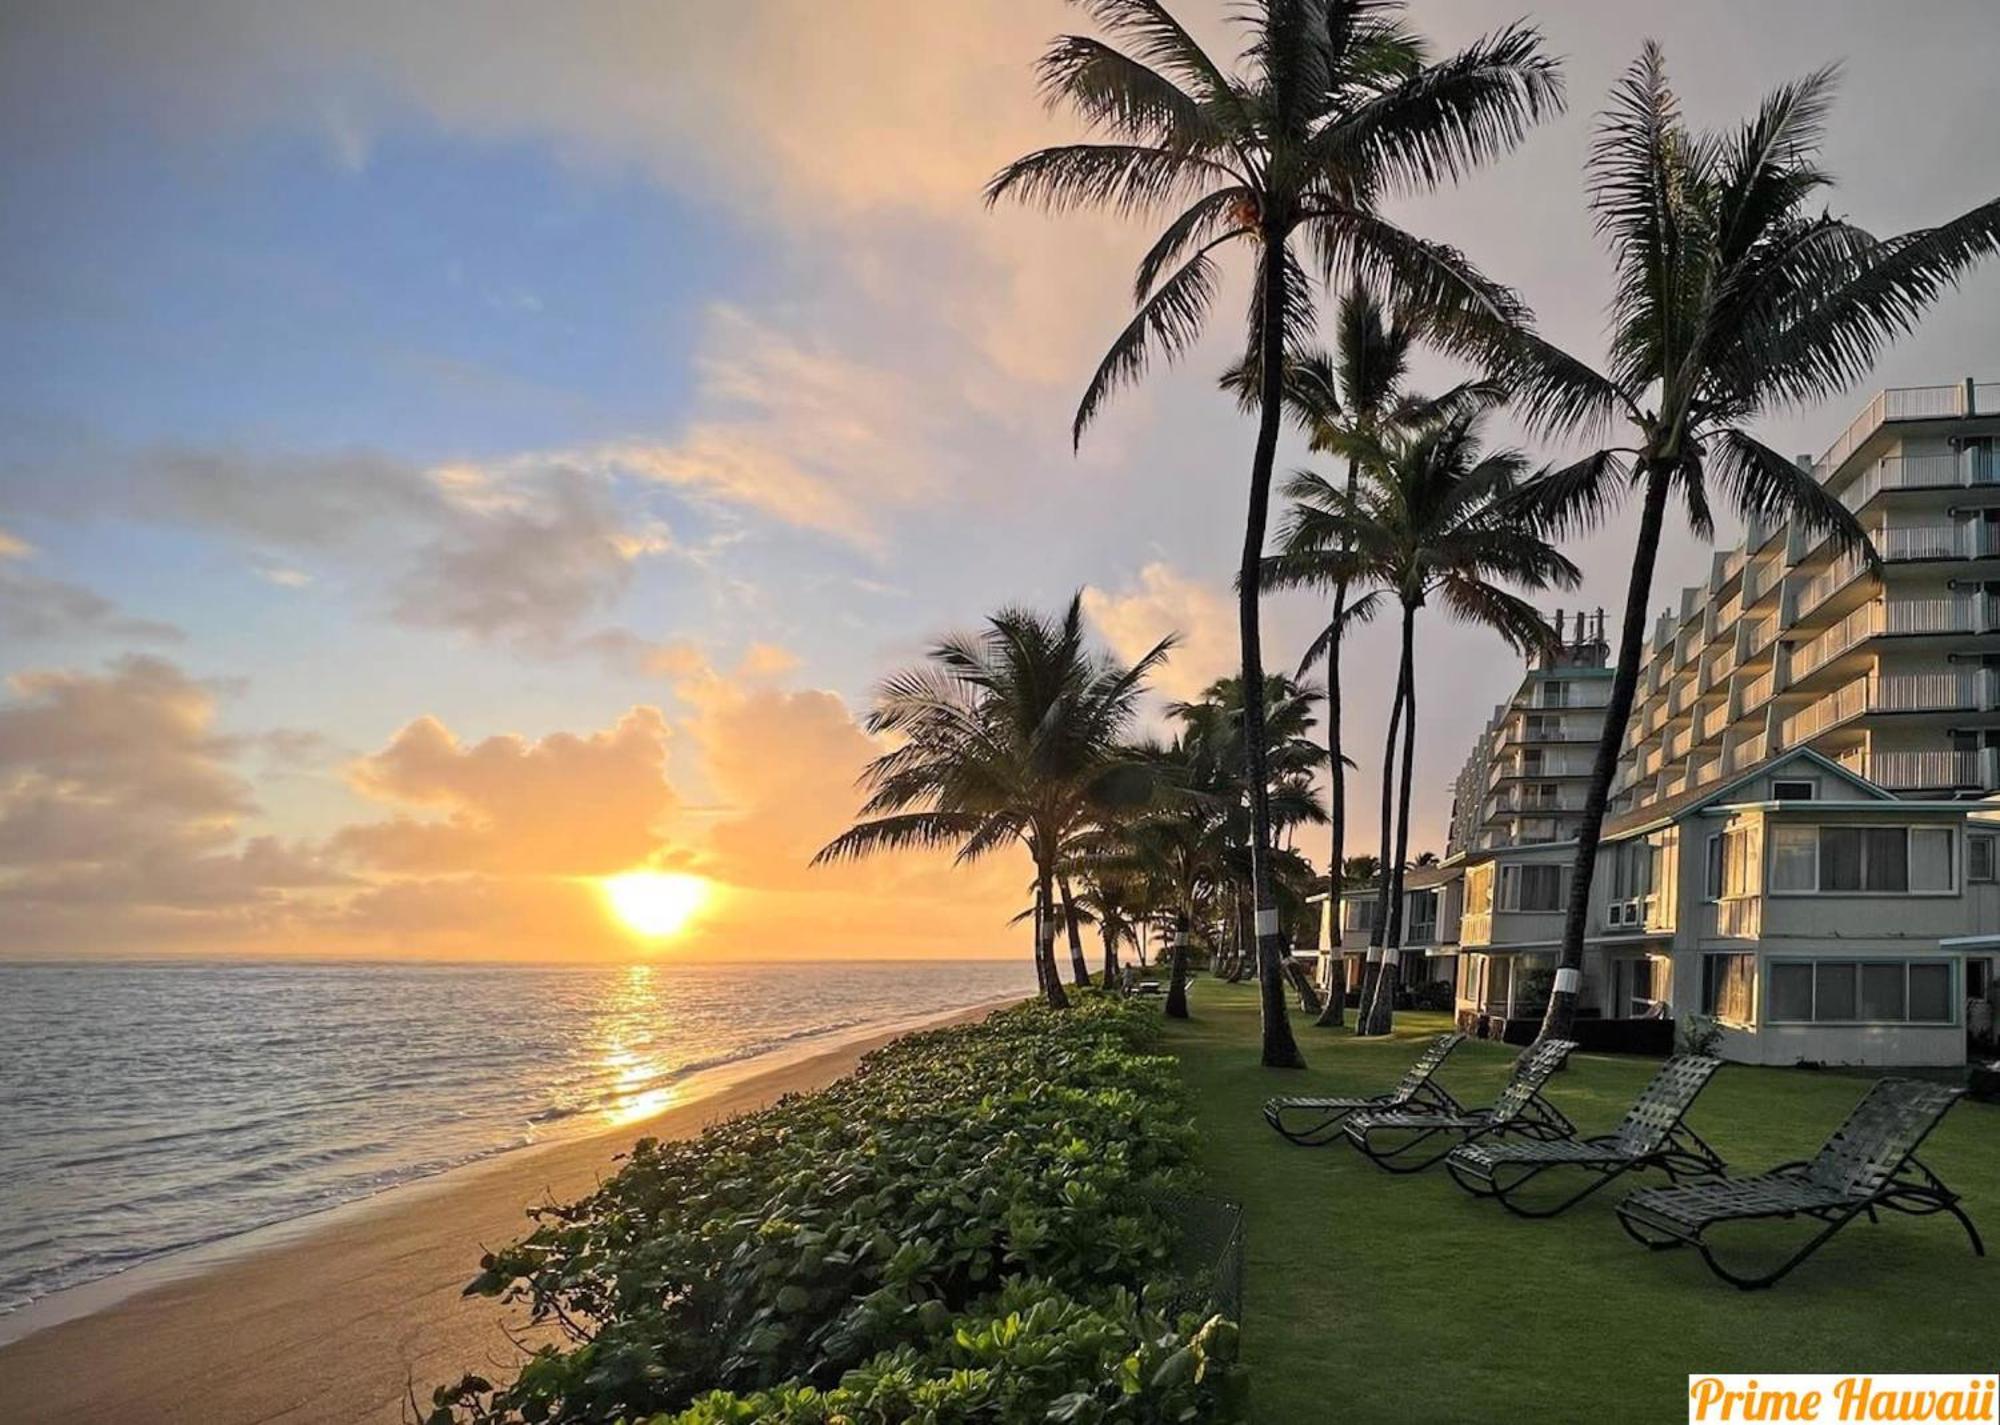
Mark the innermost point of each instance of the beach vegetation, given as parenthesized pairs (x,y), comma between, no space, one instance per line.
(979,1219)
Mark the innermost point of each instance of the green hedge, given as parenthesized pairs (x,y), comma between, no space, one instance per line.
(966,1228)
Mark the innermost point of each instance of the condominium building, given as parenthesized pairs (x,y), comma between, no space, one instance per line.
(1893,674)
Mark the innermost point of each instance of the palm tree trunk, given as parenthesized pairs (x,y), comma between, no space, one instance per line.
(1334,1014)
(1371,974)
(1561,1012)
(1384,1016)
(1177,977)
(1280,1049)
(1045,936)
(1110,936)
(1079,967)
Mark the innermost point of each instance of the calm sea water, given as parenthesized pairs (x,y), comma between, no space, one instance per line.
(146,1108)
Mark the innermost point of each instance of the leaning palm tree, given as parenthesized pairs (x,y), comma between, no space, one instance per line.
(1432,522)
(1733,298)
(1343,402)
(1337,105)
(1016,734)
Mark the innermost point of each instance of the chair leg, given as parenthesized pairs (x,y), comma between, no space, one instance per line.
(1771,1278)
(1391,1160)
(1652,1242)
(1978,1247)
(1600,1177)
(1477,1186)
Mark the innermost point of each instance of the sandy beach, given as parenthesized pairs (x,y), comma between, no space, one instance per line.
(342,1316)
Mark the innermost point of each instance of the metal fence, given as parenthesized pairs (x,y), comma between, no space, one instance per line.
(1206,1271)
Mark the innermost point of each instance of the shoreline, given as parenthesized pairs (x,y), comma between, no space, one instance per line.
(331,1315)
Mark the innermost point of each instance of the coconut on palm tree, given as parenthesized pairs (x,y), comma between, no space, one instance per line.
(1734,297)
(1336,103)
(1017,734)
(1432,523)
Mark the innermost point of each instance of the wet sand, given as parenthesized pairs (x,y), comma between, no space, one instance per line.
(339,1317)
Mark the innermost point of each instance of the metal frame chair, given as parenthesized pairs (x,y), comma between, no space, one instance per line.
(1651,1135)
(1519,1109)
(1415,1092)
(1869,1163)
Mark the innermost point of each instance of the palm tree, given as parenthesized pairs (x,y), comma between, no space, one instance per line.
(1433,522)
(1338,106)
(1015,734)
(1733,297)
(1343,403)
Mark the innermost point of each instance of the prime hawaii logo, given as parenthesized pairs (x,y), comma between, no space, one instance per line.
(1726,1398)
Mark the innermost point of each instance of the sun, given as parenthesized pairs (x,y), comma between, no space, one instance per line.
(654,904)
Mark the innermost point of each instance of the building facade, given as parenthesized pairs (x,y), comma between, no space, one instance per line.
(1894,674)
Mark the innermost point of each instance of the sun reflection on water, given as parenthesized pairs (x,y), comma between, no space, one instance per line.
(630,1016)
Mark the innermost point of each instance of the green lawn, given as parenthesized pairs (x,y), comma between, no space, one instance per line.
(1372,1297)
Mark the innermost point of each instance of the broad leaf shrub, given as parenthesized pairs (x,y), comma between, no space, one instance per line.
(966,1228)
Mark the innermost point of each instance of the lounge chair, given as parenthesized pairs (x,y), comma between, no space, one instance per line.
(1870,1162)
(1520,1109)
(1651,1136)
(1313,1121)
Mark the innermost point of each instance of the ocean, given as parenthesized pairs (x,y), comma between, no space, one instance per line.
(146,1108)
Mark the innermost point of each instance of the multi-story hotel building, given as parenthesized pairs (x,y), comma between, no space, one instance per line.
(1799,847)
(1894,675)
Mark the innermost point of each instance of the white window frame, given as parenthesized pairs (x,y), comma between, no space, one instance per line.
(1991,845)
(1954,991)
(1507,895)
(1909,829)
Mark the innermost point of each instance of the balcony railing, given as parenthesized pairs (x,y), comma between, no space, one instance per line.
(1831,580)
(1967,690)
(1746,752)
(1762,637)
(1726,616)
(1923,769)
(1968,540)
(1907,403)
(1721,666)
(1761,579)
(1712,721)
(1968,467)
(1758,690)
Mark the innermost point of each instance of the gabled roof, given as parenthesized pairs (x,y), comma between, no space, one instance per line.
(1659,813)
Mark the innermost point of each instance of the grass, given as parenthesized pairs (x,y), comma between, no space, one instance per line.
(1373,1297)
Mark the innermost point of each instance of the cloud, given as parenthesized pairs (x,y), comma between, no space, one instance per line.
(1165,602)
(33,606)
(562,805)
(122,822)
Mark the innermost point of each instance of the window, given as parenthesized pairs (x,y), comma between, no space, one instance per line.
(1535,888)
(1881,860)
(1739,868)
(1978,979)
(1794,858)
(1711,885)
(1793,791)
(1979,859)
(1791,990)
(1861,992)
(1555,694)
(1728,986)
(1423,918)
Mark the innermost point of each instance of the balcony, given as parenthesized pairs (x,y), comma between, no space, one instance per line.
(1757,692)
(1965,690)
(1928,769)
(1720,667)
(1726,616)
(1530,802)
(1711,722)
(1547,696)
(1831,580)
(1761,579)
(1746,753)
(1762,636)
(1968,540)
(1909,403)
(1963,470)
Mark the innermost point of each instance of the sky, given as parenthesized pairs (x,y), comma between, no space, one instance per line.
(450,454)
